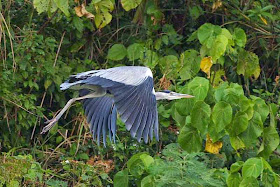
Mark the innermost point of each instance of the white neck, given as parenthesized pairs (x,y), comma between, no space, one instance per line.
(160,95)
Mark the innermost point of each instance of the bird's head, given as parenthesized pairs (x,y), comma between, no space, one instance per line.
(169,95)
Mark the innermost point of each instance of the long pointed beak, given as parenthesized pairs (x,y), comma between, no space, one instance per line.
(183,95)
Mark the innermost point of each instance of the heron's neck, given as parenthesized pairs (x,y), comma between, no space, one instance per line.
(160,95)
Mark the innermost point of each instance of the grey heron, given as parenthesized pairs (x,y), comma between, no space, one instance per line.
(127,90)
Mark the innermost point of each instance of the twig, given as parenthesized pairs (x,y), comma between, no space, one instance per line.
(11,42)
(43,99)
(22,107)
(46,23)
(59,46)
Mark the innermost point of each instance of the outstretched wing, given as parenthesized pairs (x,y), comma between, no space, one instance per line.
(134,97)
(102,116)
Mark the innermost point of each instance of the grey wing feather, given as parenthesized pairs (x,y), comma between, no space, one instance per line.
(133,97)
(101,115)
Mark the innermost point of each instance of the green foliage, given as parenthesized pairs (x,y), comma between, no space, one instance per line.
(236,91)
(175,168)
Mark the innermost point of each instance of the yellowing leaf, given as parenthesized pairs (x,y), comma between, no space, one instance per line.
(216,77)
(263,20)
(81,11)
(213,147)
(206,64)
(216,5)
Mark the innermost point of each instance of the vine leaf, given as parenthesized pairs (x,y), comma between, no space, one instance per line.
(130,4)
(205,65)
(117,52)
(213,147)
(221,115)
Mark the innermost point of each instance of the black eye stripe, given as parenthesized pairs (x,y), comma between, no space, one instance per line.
(166,91)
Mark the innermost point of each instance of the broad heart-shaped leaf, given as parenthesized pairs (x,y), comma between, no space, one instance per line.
(261,107)
(184,106)
(130,4)
(169,65)
(189,139)
(206,31)
(254,130)
(134,51)
(45,6)
(269,178)
(239,37)
(249,182)
(200,116)
(181,120)
(221,115)
(236,142)
(273,109)
(121,179)
(234,180)
(117,52)
(199,86)
(233,93)
(213,133)
(102,19)
(219,91)
(148,181)
(191,62)
(236,166)
(248,64)
(238,125)
(246,105)
(253,167)
(149,58)
(138,163)
(205,65)
(270,141)
(219,47)
(63,6)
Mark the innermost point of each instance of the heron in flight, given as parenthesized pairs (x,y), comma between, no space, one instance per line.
(127,90)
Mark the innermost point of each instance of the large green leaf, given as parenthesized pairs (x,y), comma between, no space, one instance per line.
(190,60)
(248,64)
(117,52)
(221,115)
(238,125)
(200,116)
(138,163)
(149,58)
(45,6)
(254,130)
(121,179)
(130,4)
(219,47)
(246,105)
(253,167)
(134,51)
(169,65)
(261,107)
(148,181)
(239,37)
(249,182)
(199,87)
(206,31)
(102,12)
(189,139)
(233,93)
(63,5)
(270,141)
(236,142)
(234,180)
(236,166)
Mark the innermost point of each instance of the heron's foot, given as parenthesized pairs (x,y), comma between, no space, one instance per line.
(50,123)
